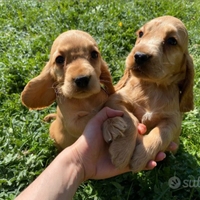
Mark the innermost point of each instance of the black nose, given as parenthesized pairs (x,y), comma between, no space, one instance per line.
(82,81)
(141,58)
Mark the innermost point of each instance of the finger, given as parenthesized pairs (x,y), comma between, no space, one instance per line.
(172,146)
(160,156)
(142,128)
(106,113)
(150,165)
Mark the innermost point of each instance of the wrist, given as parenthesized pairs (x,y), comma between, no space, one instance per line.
(74,174)
(59,180)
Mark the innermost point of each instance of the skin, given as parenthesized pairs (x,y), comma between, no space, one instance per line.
(87,158)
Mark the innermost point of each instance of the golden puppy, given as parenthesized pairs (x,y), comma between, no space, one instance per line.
(74,77)
(157,87)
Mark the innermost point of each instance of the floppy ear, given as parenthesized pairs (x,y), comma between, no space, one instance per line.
(186,89)
(39,93)
(122,82)
(106,79)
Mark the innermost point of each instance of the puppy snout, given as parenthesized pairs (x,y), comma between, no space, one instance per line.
(82,81)
(141,57)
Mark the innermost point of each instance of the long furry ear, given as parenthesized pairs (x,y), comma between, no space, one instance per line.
(39,93)
(106,79)
(122,82)
(186,89)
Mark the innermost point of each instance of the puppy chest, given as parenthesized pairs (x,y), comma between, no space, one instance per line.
(76,120)
(147,117)
(151,118)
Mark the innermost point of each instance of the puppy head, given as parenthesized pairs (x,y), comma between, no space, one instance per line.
(160,49)
(161,55)
(76,64)
(75,70)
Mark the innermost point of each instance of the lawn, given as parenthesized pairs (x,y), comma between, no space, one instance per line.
(27,30)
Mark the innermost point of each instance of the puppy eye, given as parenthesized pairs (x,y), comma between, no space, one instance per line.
(60,60)
(171,41)
(141,34)
(94,54)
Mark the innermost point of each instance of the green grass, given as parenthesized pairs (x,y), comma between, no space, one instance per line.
(27,30)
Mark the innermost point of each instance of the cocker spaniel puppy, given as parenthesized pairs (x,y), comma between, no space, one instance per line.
(77,78)
(157,87)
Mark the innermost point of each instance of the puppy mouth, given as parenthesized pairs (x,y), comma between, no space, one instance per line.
(76,92)
(83,93)
(141,71)
(138,69)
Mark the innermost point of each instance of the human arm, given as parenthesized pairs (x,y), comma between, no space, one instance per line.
(87,158)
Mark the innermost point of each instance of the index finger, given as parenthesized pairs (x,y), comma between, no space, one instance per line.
(106,113)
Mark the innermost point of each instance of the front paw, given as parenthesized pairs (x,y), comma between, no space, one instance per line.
(121,151)
(121,148)
(145,151)
(139,159)
(114,128)
(49,117)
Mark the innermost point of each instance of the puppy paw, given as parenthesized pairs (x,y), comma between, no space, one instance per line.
(139,159)
(49,117)
(143,153)
(121,151)
(121,148)
(114,128)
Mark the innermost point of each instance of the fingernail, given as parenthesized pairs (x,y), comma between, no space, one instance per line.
(154,163)
(143,128)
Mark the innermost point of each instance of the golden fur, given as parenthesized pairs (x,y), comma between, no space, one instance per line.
(157,87)
(73,76)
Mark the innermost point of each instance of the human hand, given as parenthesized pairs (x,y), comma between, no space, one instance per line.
(87,158)
(93,153)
